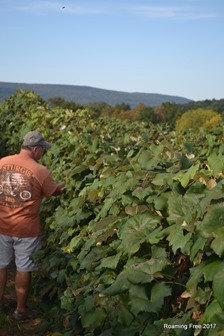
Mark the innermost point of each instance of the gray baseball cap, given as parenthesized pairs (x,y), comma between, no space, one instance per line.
(35,138)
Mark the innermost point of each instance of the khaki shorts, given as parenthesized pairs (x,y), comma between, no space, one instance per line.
(20,249)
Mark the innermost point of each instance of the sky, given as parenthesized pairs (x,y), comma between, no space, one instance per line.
(172,47)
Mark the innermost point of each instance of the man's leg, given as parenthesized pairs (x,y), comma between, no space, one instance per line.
(3,280)
(6,256)
(22,286)
(24,249)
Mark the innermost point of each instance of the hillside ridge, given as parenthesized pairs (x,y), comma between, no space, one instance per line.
(87,94)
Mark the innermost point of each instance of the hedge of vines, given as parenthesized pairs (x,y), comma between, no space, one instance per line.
(135,244)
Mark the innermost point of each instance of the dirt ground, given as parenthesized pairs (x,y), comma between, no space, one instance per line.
(10,327)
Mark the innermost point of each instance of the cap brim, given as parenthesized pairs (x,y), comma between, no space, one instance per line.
(45,144)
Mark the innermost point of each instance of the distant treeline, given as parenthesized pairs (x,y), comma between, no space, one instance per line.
(165,113)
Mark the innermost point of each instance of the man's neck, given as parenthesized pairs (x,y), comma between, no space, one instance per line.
(27,154)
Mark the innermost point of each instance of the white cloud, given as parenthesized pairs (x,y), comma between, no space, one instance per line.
(157,11)
(37,5)
(179,12)
(192,11)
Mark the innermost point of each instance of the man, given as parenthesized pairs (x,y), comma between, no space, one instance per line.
(23,184)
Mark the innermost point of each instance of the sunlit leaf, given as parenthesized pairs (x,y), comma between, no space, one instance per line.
(136,231)
(110,262)
(212,226)
(216,163)
(204,271)
(184,177)
(178,240)
(149,159)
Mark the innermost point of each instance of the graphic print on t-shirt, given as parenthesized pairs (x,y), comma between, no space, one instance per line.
(15,185)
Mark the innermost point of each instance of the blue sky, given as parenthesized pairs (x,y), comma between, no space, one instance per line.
(170,47)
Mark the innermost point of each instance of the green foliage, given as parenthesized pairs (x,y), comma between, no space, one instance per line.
(135,241)
(194,119)
(215,105)
(60,102)
(19,107)
(147,114)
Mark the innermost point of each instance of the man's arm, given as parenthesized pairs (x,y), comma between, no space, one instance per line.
(60,186)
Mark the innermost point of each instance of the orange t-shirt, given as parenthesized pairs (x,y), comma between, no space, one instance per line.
(23,184)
